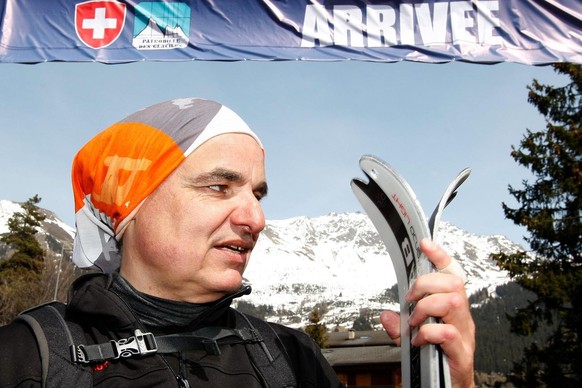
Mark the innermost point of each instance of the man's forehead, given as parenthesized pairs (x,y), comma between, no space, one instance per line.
(229,148)
(230,139)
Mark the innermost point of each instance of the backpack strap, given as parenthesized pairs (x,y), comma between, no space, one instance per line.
(55,339)
(140,344)
(267,354)
(65,363)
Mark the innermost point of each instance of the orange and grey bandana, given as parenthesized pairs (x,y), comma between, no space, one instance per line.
(121,166)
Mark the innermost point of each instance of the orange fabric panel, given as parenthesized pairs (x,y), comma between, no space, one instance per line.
(119,168)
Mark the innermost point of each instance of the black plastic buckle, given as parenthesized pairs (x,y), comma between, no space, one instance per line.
(140,344)
(78,354)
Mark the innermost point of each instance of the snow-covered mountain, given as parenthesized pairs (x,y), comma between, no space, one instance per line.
(337,261)
(54,234)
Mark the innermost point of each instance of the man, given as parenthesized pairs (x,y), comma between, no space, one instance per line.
(168,208)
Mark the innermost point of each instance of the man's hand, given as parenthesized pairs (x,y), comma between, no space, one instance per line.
(440,295)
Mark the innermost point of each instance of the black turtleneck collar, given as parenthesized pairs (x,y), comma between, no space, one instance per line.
(164,314)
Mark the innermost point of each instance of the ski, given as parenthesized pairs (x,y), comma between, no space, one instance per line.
(396,213)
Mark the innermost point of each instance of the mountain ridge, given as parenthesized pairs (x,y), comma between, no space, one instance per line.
(339,261)
(336,262)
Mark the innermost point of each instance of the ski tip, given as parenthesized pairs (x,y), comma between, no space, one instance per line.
(462,176)
(359,183)
(466,172)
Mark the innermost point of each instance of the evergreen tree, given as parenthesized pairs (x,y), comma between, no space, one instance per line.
(22,228)
(363,321)
(317,330)
(21,273)
(497,349)
(550,209)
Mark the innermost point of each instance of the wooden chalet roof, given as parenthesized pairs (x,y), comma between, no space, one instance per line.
(368,347)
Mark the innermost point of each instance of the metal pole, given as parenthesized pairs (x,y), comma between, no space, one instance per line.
(59,273)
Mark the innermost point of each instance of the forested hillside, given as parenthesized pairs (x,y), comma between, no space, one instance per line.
(498,348)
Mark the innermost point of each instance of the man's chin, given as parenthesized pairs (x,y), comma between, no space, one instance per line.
(234,288)
(231,284)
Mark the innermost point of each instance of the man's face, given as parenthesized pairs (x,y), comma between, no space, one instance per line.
(192,237)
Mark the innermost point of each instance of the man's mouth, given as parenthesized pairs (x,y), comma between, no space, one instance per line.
(240,247)
(236,248)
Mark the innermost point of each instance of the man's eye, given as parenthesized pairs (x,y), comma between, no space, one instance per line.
(218,188)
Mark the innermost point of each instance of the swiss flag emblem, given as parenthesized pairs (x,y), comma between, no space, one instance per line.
(99,23)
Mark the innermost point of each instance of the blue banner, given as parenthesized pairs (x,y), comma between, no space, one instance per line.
(534,32)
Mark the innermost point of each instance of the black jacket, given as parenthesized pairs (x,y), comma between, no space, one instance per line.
(105,316)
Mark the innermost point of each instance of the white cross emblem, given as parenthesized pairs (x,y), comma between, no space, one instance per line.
(99,23)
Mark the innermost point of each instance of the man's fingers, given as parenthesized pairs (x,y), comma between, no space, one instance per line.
(438,334)
(441,259)
(452,305)
(442,295)
(435,283)
(456,346)
(445,306)
(435,253)
(391,322)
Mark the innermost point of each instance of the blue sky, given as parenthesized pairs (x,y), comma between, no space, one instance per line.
(315,119)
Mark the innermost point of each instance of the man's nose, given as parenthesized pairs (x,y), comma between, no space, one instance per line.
(249,213)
